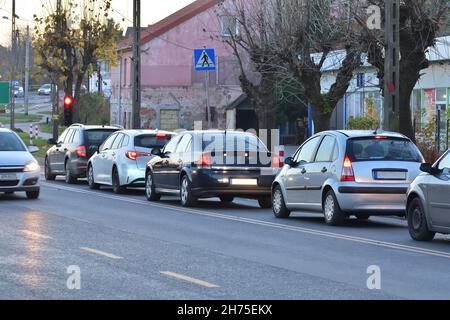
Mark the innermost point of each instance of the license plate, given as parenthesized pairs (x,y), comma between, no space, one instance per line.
(8,177)
(390,175)
(244,182)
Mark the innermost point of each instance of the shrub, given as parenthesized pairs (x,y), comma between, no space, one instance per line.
(94,109)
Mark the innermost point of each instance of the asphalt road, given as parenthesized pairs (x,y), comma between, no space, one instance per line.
(128,248)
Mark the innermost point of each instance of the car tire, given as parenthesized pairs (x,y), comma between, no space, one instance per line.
(117,188)
(363,216)
(265,202)
(150,190)
(91,178)
(33,195)
(331,210)
(69,177)
(49,176)
(279,205)
(417,222)
(186,196)
(226,199)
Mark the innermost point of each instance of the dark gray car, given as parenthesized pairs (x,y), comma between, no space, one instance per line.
(428,204)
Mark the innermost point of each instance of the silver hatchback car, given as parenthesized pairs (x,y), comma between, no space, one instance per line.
(344,173)
(428,206)
(122,159)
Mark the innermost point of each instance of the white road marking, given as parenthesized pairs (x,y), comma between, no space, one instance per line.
(101,253)
(189,279)
(34,234)
(327,234)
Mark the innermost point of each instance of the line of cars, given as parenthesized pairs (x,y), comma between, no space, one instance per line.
(336,173)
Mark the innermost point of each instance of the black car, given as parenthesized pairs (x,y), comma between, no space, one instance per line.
(70,154)
(207,164)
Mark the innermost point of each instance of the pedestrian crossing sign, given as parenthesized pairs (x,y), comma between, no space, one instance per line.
(204,60)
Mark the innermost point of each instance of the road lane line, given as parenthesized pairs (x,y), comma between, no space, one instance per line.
(102,253)
(189,279)
(316,232)
(35,234)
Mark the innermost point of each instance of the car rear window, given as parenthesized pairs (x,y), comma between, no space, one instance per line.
(10,142)
(97,137)
(151,141)
(233,142)
(383,149)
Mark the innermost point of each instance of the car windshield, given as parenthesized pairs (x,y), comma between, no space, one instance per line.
(97,137)
(10,142)
(382,149)
(233,142)
(151,141)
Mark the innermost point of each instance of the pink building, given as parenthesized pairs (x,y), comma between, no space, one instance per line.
(173,93)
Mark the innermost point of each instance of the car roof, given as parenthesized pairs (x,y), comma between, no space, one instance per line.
(147,131)
(351,134)
(5,130)
(218,132)
(95,127)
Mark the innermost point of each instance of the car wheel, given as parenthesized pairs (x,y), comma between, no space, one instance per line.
(70,178)
(150,192)
(362,216)
(32,194)
(417,222)
(187,198)
(117,188)
(265,202)
(48,172)
(226,199)
(279,205)
(91,179)
(331,210)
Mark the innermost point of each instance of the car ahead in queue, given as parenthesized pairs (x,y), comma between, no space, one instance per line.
(70,153)
(207,164)
(428,206)
(121,161)
(45,90)
(19,170)
(344,173)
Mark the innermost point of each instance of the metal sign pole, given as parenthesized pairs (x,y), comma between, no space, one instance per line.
(208,107)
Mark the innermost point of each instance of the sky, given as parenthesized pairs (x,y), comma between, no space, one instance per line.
(152,11)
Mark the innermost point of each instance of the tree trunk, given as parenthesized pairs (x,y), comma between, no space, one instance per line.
(322,120)
(77,96)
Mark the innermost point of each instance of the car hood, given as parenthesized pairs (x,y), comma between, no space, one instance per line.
(15,158)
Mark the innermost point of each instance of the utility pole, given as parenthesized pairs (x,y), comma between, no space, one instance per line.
(55,91)
(392,65)
(13,63)
(136,106)
(27,68)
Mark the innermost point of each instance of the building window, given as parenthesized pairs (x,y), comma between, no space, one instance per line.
(125,69)
(229,26)
(169,120)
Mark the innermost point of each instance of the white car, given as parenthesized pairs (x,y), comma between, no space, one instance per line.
(19,170)
(122,159)
(45,90)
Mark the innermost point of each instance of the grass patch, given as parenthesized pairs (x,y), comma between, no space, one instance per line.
(21,118)
(48,128)
(40,143)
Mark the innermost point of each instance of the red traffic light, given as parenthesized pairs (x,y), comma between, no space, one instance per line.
(68,101)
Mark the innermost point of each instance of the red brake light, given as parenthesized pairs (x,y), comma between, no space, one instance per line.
(81,152)
(133,155)
(347,171)
(161,136)
(380,137)
(205,161)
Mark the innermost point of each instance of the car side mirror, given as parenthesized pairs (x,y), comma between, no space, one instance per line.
(157,152)
(52,142)
(290,161)
(428,168)
(33,149)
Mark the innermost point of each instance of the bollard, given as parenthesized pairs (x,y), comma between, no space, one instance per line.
(36,129)
(31,134)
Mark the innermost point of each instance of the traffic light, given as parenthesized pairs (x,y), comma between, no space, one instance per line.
(68,111)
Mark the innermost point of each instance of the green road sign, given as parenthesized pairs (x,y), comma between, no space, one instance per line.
(4,92)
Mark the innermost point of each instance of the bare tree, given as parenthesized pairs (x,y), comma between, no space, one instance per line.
(318,38)
(420,21)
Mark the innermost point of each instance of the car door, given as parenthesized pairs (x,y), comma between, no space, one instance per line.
(161,170)
(318,171)
(61,150)
(177,160)
(439,195)
(295,175)
(54,152)
(111,157)
(101,163)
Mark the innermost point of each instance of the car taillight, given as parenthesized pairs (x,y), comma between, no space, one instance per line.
(205,161)
(347,171)
(161,136)
(81,152)
(133,155)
